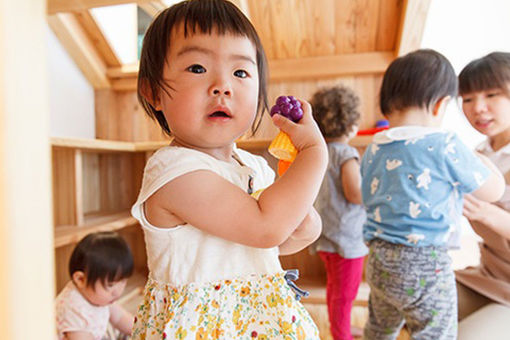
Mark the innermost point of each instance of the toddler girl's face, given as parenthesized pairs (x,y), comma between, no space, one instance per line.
(488,111)
(212,88)
(103,295)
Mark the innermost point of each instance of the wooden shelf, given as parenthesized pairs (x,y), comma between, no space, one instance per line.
(112,146)
(65,235)
(106,145)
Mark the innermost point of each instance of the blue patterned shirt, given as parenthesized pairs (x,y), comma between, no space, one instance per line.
(413,182)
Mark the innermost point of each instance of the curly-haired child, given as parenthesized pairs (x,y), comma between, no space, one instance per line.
(340,246)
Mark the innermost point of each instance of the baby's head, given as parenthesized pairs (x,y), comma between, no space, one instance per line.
(491,72)
(336,110)
(185,20)
(417,80)
(100,265)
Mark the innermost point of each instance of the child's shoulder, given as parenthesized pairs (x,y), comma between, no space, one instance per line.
(170,158)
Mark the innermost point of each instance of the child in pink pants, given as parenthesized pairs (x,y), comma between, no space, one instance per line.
(340,245)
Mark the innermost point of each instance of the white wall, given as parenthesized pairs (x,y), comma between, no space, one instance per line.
(71,97)
(463,30)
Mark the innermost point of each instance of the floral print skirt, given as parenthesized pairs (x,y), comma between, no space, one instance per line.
(258,307)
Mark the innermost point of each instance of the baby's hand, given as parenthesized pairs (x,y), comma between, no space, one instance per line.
(305,133)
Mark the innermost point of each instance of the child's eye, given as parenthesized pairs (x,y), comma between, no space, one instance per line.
(241,73)
(492,94)
(466,100)
(196,68)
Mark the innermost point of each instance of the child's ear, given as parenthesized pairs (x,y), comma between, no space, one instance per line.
(79,279)
(146,92)
(440,106)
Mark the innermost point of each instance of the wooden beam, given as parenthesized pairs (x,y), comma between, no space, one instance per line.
(329,66)
(412,24)
(124,78)
(57,6)
(27,289)
(89,24)
(124,71)
(153,8)
(81,48)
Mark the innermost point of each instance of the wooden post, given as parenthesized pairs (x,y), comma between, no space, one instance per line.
(26,233)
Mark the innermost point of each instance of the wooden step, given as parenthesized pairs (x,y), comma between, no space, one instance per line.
(317,290)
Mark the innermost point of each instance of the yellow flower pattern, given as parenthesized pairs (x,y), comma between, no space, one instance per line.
(259,307)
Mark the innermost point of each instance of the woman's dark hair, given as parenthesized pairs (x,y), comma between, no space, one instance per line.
(336,110)
(486,73)
(202,16)
(102,256)
(418,79)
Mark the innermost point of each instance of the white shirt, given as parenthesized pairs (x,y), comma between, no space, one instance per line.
(186,254)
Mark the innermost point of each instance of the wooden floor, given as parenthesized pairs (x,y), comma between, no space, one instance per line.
(315,304)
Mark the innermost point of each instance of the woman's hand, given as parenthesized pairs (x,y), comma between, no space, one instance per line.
(490,215)
(475,209)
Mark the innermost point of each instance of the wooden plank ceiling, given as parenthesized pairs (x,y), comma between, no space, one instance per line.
(303,39)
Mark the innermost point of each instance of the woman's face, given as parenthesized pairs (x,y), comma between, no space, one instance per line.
(488,111)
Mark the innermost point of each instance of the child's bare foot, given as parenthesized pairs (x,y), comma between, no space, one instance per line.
(356,332)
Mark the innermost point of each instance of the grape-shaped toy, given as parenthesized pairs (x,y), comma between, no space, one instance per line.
(281,147)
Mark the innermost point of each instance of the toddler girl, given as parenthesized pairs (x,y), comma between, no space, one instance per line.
(340,245)
(412,178)
(212,248)
(99,268)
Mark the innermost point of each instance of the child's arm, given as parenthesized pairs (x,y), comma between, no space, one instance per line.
(79,336)
(351,181)
(489,214)
(307,232)
(494,187)
(214,205)
(121,319)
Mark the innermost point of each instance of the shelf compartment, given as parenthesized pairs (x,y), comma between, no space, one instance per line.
(70,234)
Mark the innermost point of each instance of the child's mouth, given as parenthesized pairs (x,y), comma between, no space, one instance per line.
(219,114)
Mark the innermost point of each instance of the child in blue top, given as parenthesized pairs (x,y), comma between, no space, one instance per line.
(413,176)
(340,246)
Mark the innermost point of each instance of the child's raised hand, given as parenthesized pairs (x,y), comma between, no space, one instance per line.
(304,134)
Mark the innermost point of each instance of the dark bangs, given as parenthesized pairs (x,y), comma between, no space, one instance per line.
(197,16)
(486,73)
(103,256)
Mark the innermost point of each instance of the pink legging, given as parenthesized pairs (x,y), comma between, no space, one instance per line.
(344,277)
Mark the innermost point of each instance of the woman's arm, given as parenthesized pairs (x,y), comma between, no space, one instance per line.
(307,232)
(351,181)
(489,214)
(121,319)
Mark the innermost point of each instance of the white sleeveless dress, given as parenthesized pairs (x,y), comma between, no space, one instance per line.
(204,287)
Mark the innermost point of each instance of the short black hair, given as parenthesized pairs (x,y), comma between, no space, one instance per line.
(487,73)
(201,16)
(336,110)
(418,79)
(102,256)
